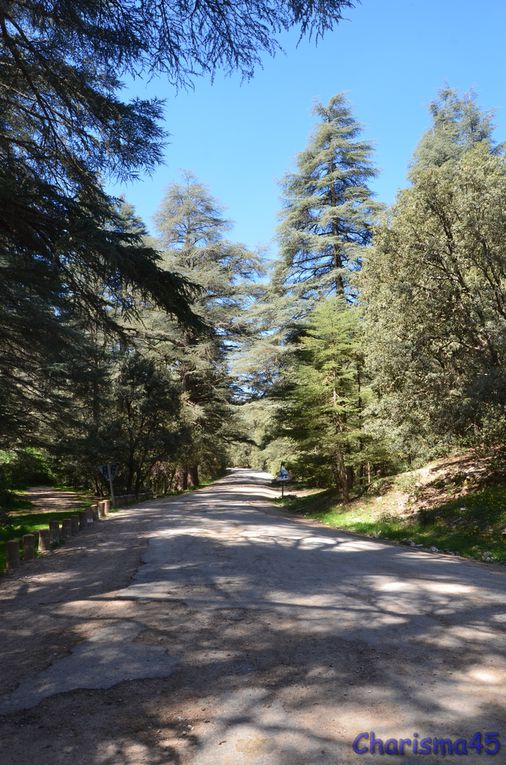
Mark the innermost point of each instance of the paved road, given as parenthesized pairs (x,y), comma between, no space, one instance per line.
(212,629)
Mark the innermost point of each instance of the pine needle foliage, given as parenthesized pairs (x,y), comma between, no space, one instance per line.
(328,208)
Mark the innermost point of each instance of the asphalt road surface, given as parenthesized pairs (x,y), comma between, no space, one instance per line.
(214,629)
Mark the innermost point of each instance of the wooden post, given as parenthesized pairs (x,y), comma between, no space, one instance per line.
(66,528)
(107,505)
(83,519)
(54,532)
(75,524)
(44,540)
(28,546)
(101,509)
(89,516)
(94,512)
(12,553)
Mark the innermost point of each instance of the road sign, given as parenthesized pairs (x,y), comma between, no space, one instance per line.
(109,471)
(283,476)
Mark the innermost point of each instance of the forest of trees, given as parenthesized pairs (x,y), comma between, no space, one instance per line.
(383,329)
(376,339)
(114,347)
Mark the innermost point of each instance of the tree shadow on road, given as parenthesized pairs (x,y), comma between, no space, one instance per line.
(290,640)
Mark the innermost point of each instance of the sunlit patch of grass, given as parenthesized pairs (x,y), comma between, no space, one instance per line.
(471,526)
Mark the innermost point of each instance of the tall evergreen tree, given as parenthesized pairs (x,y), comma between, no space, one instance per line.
(328,210)
(324,398)
(63,125)
(192,233)
(433,287)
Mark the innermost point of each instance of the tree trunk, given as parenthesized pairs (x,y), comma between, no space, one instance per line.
(193,475)
(350,476)
(342,476)
(181,479)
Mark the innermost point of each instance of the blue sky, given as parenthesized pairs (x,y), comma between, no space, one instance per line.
(390,58)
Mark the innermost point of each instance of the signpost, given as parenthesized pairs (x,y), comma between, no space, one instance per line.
(283,476)
(109,472)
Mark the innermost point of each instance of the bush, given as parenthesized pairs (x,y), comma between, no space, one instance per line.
(22,468)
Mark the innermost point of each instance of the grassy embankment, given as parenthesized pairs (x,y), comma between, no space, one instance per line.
(23,518)
(456,505)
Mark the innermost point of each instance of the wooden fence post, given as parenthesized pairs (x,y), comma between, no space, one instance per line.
(74,520)
(28,546)
(12,552)
(54,532)
(66,528)
(44,540)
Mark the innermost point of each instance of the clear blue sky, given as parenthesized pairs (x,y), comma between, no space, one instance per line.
(390,57)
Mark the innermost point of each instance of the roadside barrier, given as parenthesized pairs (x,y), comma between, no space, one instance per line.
(28,546)
(17,551)
(12,550)
(44,540)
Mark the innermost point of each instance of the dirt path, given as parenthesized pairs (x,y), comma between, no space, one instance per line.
(243,636)
(47,499)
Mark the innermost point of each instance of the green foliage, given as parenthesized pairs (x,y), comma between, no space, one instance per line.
(310,377)
(192,235)
(324,398)
(457,126)
(67,257)
(25,467)
(433,290)
(102,356)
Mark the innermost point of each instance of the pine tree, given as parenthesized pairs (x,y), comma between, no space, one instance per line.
(329,210)
(64,125)
(192,237)
(324,398)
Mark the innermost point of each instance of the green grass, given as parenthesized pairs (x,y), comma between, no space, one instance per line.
(29,523)
(471,526)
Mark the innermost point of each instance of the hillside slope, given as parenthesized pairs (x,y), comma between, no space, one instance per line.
(455,505)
